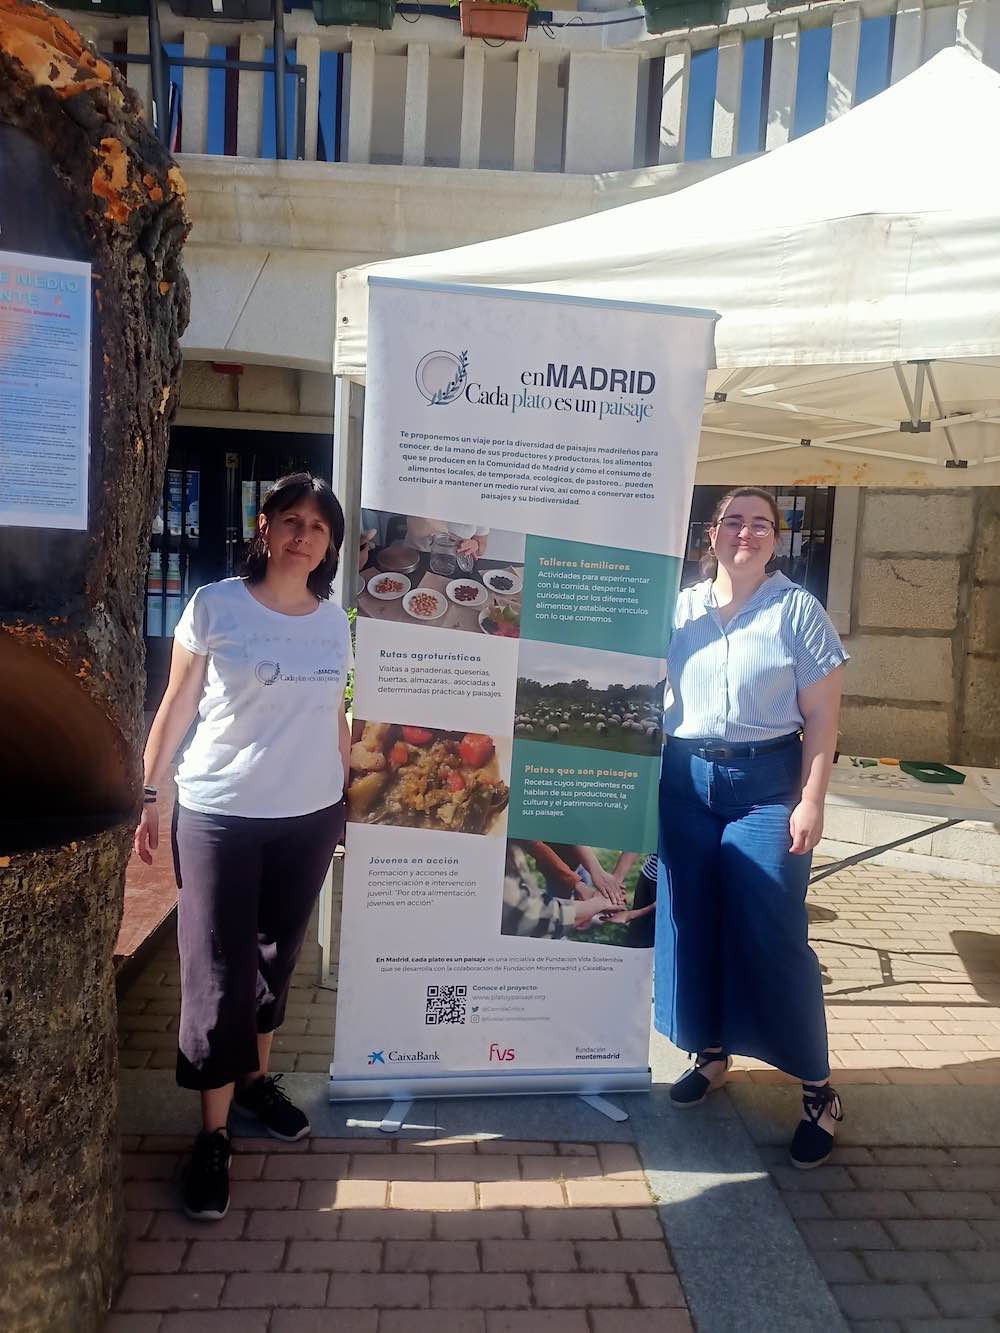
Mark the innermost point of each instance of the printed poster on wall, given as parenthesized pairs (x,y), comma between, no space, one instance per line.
(44,391)
(527,476)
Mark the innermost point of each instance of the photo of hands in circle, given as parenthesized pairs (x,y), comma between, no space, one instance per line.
(555,890)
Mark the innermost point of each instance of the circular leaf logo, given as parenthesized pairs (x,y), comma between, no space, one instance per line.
(267,672)
(441,376)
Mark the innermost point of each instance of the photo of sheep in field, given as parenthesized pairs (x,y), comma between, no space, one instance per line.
(580,696)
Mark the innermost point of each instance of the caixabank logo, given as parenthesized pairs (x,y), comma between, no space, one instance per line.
(404,1057)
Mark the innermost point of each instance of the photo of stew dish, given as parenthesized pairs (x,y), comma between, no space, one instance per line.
(419,777)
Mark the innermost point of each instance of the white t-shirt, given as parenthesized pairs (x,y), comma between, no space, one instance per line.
(266,744)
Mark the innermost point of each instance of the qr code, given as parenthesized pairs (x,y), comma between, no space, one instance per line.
(445,1004)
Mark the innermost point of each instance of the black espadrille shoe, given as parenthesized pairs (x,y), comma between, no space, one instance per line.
(692,1088)
(812,1145)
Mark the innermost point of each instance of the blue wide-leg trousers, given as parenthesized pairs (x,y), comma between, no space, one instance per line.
(733,963)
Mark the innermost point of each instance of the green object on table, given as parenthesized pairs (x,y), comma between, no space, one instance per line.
(928,771)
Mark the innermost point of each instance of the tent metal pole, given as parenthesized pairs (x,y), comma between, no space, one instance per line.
(904,389)
(789,409)
(890,455)
(918,392)
(940,410)
(161,115)
(280,63)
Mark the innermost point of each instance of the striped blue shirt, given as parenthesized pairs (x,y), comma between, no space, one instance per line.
(741,682)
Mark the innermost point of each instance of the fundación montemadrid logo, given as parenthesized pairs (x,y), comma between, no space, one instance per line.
(441,376)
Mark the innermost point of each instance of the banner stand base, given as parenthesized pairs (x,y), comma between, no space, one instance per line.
(392,1121)
(402,1092)
(605,1107)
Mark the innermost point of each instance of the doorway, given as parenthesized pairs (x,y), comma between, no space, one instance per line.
(212,491)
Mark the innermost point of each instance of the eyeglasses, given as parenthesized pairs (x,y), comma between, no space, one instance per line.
(759,527)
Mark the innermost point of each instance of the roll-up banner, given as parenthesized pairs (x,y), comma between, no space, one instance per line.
(526,485)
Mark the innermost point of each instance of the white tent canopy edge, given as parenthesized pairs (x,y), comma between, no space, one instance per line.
(856,271)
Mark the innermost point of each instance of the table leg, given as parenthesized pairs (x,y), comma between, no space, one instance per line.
(869,852)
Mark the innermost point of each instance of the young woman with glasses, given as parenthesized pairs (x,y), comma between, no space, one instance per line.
(754,672)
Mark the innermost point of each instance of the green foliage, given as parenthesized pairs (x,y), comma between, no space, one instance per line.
(352,617)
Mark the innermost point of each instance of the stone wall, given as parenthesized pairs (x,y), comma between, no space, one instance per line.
(262,389)
(980,719)
(924,675)
(913,586)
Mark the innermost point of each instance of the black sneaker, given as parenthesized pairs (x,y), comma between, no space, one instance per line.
(206,1180)
(269,1104)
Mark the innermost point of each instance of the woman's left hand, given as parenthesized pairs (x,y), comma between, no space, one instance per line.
(805,826)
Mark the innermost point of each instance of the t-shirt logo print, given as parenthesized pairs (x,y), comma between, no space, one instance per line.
(267,672)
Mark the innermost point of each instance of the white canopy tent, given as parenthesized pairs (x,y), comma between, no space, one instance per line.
(857,274)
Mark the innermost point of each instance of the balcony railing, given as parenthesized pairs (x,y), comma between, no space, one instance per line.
(587,92)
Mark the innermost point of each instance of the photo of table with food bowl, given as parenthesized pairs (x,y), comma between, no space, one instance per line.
(440,573)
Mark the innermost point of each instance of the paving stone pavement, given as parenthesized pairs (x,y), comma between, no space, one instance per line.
(908,1238)
(911,971)
(904,1224)
(399,1236)
(905,1220)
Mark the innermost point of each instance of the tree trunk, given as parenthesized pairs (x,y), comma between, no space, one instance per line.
(81,177)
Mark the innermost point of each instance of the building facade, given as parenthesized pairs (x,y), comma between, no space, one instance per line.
(414,138)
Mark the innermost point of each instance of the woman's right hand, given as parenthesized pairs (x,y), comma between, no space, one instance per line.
(147,835)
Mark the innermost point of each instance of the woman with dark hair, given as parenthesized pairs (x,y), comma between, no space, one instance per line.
(754,671)
(262,661)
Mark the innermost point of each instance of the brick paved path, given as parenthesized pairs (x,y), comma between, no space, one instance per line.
(148,1015)
(379,1236)
(908,1237)
(911,965)
(912,978)
(904,1235)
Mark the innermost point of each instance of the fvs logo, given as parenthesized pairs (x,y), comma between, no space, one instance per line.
(504,1055)
(376,1058)
(441,376)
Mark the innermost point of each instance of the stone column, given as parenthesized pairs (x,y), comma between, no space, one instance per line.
(81,177)
(981,677)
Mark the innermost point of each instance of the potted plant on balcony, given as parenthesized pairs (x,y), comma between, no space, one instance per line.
(501,20)
(671,15)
